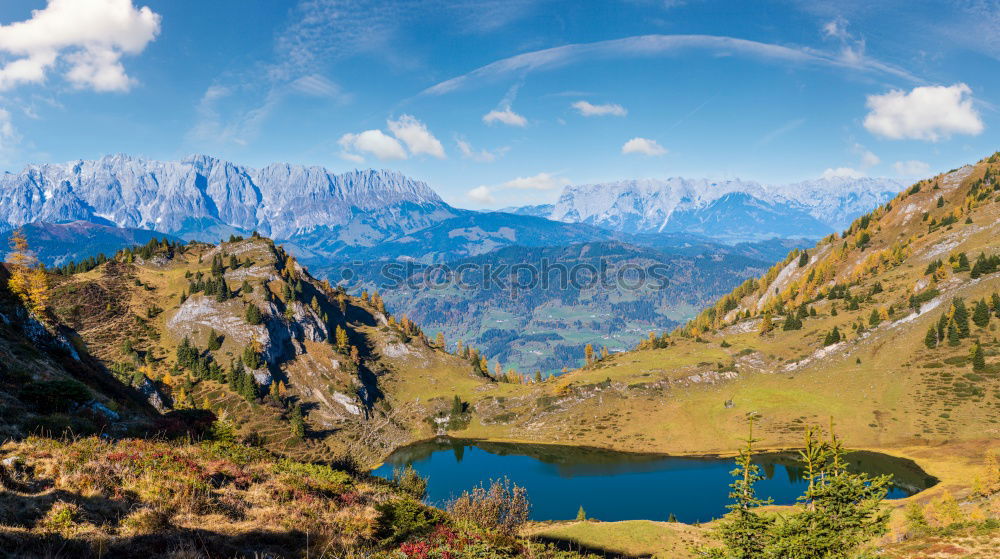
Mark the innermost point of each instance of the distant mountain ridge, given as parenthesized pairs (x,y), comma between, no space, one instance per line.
(810,208)
(201,197)
(377,214)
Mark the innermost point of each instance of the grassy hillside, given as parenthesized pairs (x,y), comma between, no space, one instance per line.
(341,361)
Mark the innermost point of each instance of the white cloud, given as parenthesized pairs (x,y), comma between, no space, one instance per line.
(481,194)
(869,159)
(541,181)
(588,109)
(91,36)
(481,156)
(375,142)
(842,173)
(506,116)
(643,146)
(912,168)
(416,136)
(925,113)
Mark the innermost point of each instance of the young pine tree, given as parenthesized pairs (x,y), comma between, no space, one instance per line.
(931,339)
(981,314)
(978,358)
(297,422)
(745,533)
(341,341)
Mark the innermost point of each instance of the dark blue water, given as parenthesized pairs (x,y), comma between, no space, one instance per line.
(619,486)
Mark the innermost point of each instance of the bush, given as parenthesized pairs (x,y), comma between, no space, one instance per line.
(502,508)
(403,519)
(410,481)
(52,396)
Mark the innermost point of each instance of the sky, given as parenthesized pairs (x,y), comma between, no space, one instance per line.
(497,103)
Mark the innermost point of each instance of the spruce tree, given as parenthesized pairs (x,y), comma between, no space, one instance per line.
(874,318)
(961,317)
(953,337)
(931,339)
(214,340)
(981,314)
(842,510)
(253,315)
(297,421)
(745,533)
(978,358)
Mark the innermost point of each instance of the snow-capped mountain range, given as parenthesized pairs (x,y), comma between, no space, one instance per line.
(206,198)
(372,213)
(730,209)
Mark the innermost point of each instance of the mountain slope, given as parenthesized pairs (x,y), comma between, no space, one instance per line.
(273,340)
(56,244)
(879,285)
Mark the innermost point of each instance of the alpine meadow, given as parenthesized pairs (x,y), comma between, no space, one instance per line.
(431,279)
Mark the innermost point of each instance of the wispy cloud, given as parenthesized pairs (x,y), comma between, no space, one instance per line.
(505,116)
(912,168)
(481,194)
(780,131)
(658,45)
(479,156)
(541,181)
(586,108)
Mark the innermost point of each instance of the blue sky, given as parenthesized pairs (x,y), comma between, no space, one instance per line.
(502,102)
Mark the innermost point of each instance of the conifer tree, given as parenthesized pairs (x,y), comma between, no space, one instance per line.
(961,317)
(253,315)
(297,422)
(766,324)
(931,339)
(832,337)
(953,337)
(27,275)
(981,314)
(978,358)
(340,335)
(874,319)
(439,340)
(214,340)
(581,515)
(745,533)
(588,353)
